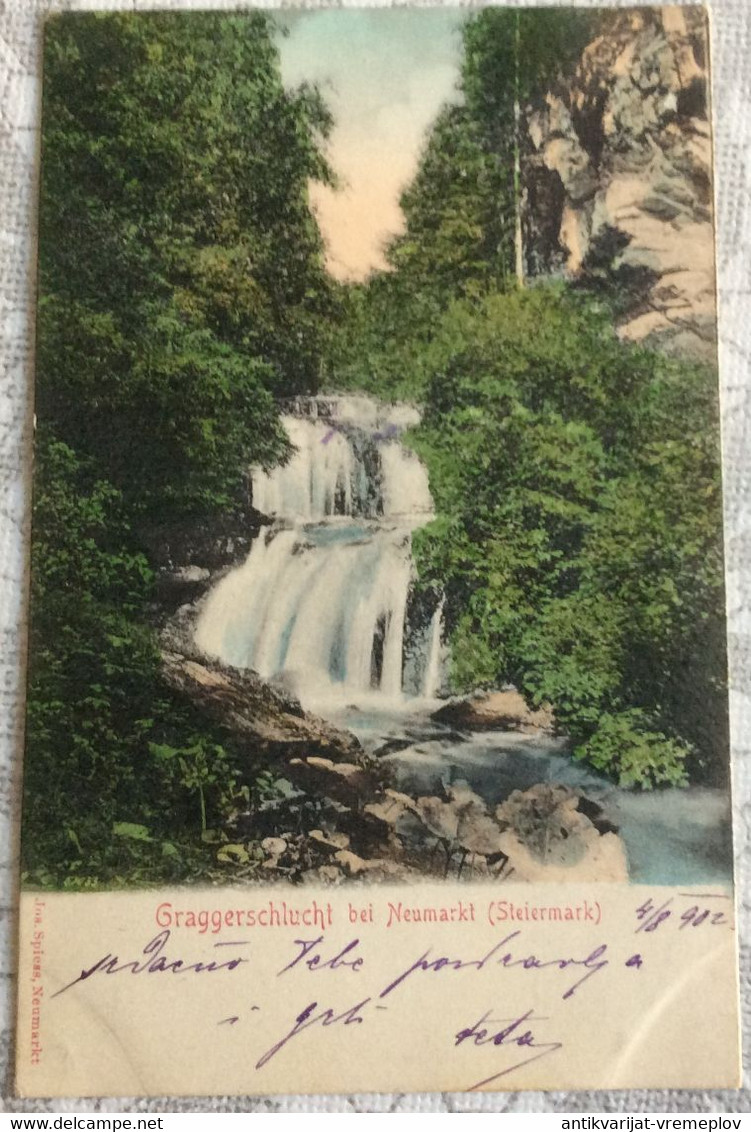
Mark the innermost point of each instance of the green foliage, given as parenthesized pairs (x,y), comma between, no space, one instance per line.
(624,747)
(511,59)
(182,290)
(181,269)
(457,240)
(131,830)
(461,207)
(517,54)
(101,798)
(578,532)
(201,769)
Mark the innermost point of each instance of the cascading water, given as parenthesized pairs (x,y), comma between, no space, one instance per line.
(433,667)
(322,598)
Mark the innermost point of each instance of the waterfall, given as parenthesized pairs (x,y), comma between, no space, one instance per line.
(433,667)
(322,599)
(318,481)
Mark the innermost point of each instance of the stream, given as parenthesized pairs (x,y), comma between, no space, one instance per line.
(325,607)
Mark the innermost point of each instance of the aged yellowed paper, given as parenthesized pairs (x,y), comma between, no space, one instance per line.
(377,713)
(502,987)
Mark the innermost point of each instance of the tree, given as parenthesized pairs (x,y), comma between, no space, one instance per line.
(463,210)
(511,58)
(182,273)
(455,239)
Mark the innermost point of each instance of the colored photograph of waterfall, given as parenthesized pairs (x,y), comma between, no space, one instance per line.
(377,523)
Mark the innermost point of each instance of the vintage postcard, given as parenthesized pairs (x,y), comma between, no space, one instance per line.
(377,705)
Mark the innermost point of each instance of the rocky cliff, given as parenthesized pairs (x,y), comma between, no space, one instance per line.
(619,166)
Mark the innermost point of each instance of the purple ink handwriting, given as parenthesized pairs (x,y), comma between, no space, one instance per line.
(515,1034)
(313,1016)
(310,954)
(499,1041)
(154,961)
(510,958)
(688,911)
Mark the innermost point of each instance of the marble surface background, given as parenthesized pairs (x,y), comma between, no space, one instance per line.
(20,38)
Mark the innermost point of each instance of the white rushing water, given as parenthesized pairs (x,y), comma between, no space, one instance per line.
(322,599)
(433,667)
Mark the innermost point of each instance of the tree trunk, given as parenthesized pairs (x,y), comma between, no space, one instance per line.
(518,236)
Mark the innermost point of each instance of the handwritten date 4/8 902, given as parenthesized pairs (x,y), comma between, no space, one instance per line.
(709,910)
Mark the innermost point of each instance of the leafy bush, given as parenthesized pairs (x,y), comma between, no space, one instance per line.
(625,748)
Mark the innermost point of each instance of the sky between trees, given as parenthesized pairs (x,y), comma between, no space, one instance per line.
(385,73)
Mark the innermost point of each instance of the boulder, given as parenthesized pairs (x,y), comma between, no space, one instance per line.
(218,541)
(477,833)
(373,869)
(184,584)
(547,836)
(389,808)
(347,783)
(323,875)
(439,818)
(453,832)
(330,842)
(254,712)
(276,847)
(503,711)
